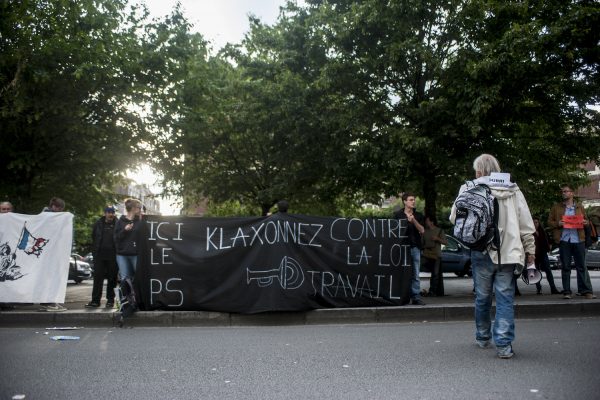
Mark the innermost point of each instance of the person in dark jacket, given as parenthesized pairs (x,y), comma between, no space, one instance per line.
(105,263)
(433,239)
(282,206)
(542,247)
(414,231)
(127,232)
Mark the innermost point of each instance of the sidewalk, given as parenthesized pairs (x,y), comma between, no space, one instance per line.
(457,305)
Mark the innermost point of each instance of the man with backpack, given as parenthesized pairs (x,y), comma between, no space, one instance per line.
(507,245)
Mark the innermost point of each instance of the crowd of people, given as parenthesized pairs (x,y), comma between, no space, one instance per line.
(522,241)
(115,244)
(114,248)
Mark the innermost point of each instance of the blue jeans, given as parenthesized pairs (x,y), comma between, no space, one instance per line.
(488,277)
(126,266)
(415,282)
(577,251)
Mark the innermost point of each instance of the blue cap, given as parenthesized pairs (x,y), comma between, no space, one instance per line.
(110,209)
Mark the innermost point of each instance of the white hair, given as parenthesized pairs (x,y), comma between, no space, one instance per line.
(485,164)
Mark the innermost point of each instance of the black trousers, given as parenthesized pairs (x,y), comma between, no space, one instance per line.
(105,269)
(544,265)
(436,282)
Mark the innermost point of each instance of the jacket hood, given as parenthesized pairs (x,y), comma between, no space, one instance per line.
(500,191)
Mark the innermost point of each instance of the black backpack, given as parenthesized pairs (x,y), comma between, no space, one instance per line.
(126,296)
(476,224)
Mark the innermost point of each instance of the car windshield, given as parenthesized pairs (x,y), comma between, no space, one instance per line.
(452,244)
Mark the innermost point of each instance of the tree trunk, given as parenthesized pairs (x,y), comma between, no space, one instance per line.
(430,193)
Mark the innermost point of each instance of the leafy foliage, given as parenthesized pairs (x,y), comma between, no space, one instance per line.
(527,89)
(74,77)
(336,104)
(257,127)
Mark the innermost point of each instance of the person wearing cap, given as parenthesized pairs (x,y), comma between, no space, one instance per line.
(105,259)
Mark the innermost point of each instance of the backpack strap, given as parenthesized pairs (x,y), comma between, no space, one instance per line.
(497,238)
(496,241)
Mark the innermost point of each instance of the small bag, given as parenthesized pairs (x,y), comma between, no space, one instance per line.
(432,252)
(429,252)
(591,236)
(126,296)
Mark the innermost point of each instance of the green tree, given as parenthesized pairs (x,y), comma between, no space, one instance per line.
(77,83)
(343,101)
(257,128)
(527,85)
(65,76)
(438,82)
(391,62)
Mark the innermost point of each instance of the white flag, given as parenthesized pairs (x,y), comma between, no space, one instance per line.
(34,257)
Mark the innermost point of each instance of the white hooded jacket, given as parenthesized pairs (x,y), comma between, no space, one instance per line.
(514,222)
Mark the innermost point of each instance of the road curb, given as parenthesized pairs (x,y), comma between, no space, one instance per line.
(446,313)
(584,308)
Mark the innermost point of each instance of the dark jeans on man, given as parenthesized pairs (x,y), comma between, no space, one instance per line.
(577,252)
(436,282)
(105,268)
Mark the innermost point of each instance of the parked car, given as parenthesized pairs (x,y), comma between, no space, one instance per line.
(79,270)
(554,260)
(456,258)
(89,258)
(592,258)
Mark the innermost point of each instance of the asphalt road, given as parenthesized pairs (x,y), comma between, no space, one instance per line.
(555,359)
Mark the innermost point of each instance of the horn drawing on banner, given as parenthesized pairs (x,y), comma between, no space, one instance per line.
(289,274)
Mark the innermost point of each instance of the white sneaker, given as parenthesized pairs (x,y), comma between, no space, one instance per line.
(53,308)
(505,352)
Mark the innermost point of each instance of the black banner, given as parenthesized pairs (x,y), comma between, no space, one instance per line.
(283,262)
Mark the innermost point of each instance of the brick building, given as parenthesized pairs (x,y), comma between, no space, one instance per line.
(141,192)
(590,194)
